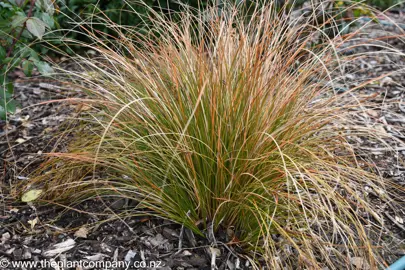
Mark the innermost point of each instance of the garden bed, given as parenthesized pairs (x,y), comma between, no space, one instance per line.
(97,230)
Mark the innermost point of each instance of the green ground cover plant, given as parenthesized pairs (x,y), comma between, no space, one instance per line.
(21,24)
(226,122)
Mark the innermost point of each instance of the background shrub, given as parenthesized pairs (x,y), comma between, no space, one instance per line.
(21,22)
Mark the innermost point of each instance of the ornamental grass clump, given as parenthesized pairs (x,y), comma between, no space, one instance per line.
(225,122)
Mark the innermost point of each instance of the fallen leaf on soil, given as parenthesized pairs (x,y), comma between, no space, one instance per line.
(33,222)
(31,195)
(20,140)
(81,233)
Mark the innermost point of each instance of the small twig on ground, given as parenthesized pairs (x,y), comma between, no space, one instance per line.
(214,253)
(181,238)
(181,234)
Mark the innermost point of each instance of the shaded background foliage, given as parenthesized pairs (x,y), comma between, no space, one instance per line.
(21,23)
(24,22)
(133,13)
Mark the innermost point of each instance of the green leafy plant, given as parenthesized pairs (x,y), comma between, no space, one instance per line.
(21,22)
(381,4)
(359,8)
(231,126)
